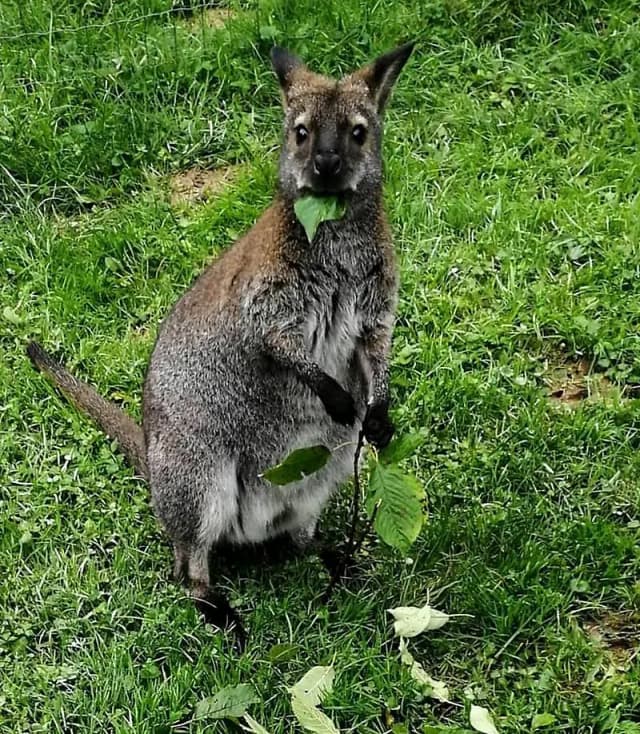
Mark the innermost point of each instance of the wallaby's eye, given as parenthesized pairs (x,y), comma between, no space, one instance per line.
(301,134)
(359,134)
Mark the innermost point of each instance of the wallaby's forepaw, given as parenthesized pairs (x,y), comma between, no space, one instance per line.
(337,401)
(377,426)
(217,611)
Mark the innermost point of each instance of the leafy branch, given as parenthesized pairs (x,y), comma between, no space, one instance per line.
(394,500)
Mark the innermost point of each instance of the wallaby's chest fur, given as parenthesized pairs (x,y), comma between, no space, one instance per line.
(274,279)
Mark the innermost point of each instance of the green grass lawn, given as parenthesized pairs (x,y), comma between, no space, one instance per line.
(513,188)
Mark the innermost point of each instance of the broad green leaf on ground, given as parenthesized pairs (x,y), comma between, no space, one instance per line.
(480,719)
(400,448)
(399,498)
(298,465)
(412,621)
(311,718)
(315,684)
(253,725)
(541,720)
(229,702)
(312,210)
(430,686)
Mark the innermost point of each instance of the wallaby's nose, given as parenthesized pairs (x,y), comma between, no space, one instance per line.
(327,164)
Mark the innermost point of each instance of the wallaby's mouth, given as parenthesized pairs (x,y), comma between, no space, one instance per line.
(337,188)
(324,183)
(323,192)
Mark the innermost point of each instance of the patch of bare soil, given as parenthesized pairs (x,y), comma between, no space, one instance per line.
(618,634)
(210,18)
(572,382)
(200,184)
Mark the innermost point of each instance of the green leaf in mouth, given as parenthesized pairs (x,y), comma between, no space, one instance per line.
(312,210)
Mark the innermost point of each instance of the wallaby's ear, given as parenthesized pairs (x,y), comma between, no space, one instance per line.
(285,64)
(381,74)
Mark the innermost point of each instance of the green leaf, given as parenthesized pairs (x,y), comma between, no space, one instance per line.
(412,621)
(480,719)
(298,465)
(311,718)
(400,448)
(315,684)
(541,720)
(8,314)
(254,726)
(312,210)
(399,498)
(230,702)
(111,264)
(282,652)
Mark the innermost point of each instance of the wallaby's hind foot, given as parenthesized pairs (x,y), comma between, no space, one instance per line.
(216,611)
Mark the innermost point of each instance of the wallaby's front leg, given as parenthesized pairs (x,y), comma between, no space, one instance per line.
(287,349)
(377,426)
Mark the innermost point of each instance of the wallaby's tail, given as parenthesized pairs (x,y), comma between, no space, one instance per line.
(113,421)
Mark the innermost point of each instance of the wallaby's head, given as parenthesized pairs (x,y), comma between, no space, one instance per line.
(333,128)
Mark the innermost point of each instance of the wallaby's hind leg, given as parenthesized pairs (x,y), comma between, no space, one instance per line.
(213,605)
(191,565)
(196,508)
(180,563)
(198,566)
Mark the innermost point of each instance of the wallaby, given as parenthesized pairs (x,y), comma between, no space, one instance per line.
(280,344)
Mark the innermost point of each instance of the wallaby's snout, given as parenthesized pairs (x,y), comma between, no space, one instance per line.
(325,172)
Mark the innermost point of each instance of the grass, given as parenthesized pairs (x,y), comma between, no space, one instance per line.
(513,172)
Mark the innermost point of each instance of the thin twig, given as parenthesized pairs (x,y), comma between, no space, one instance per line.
(355,503)
(367,529)
(352,545)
